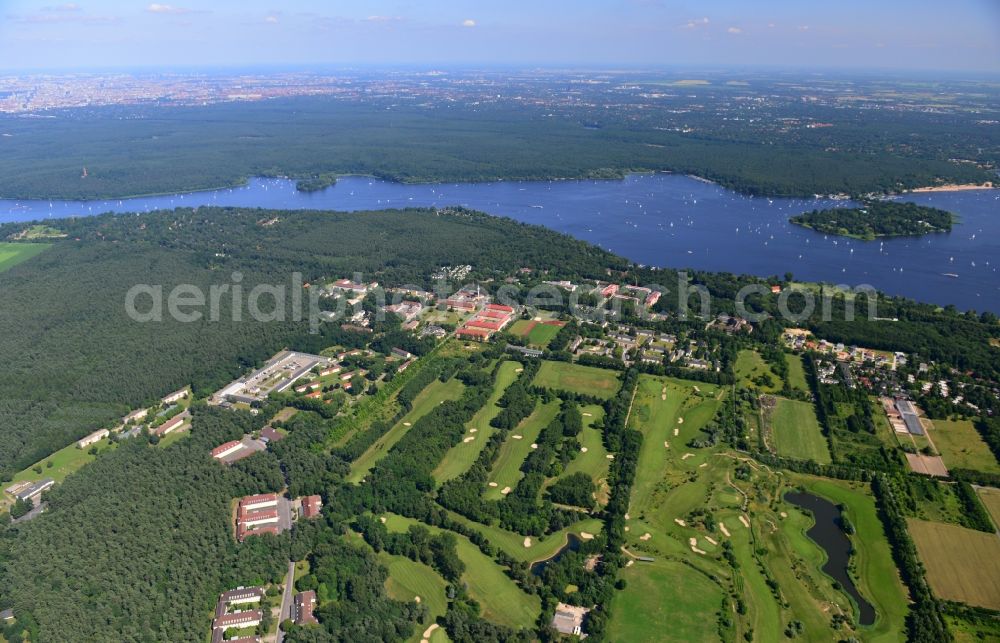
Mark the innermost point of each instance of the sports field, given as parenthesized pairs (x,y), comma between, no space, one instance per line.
(507,469)
(796,432)
(501,599)
(12,254)
(461,456)
(962,564)
(962,447)
(434,394)
(512,543)
(575,378)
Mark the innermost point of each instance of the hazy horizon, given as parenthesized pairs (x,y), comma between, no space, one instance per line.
(892,36)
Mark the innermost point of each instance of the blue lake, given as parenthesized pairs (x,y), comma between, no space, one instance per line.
(661,220)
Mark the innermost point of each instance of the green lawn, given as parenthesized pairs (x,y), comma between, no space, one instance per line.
(501,599)
(665,601)
(461,456)
(64,462)
(521,327)
(796,373)
(796,432)
(750,365)
(962,447)
(507,469)
(12,254)
(589,380)
(434,394)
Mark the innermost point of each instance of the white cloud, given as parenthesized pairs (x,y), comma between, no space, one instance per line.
(694,24)
(383,18)
(770,25)
(166,8)
(734,30)
(469,23)
(69,6)
(804,28)
(271,20)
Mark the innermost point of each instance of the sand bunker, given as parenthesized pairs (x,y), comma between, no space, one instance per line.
(663,396)
(586,535)
(711,540)
(745,521)
(527,541)
(469,439)
(725,532)
(680,420)
(610,456)
(506,490)
(686,456)
(407,424)
(430,630)
(473,430)
(680,522)
(416,599)
(666,445)
(702,465)
(630,563)
(588,415)
(534,446)
(646,536)
(517,437)
(493,484)
(583,449)
(677,432)
(382,518)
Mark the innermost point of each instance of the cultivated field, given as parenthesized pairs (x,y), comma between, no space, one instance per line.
(461,456)
(962,564)
(434,394)
(991,499)
(589,380)
(796,432)
(12,254)
(962,447)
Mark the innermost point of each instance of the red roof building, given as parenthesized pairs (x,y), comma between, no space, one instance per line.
(224,449)
(500,307)
(311,506)
(249,618)
(482,323)
(304,604)
(259,500)
(243,532)
(609,290)
(479,334)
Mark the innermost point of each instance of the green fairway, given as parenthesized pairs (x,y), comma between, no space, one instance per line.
(461,456)
(873,569)
(507,469)
(796,373)
(12,254)
(594,461)
(502,601)
(665,601)
(751,367)
(588,380)
(408,580)
(796,432)
(434,394)
(541,547)
(962,447)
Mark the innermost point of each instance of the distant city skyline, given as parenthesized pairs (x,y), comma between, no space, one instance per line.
(962,35)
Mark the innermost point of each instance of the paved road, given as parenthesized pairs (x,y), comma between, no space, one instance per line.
(286,599)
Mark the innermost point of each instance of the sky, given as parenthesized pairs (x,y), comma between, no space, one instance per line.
(877,34)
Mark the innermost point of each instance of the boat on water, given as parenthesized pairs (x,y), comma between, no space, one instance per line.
(950,274)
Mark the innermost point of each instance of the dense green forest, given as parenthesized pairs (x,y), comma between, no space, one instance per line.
(877,219)
(146,149)
(75,361)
